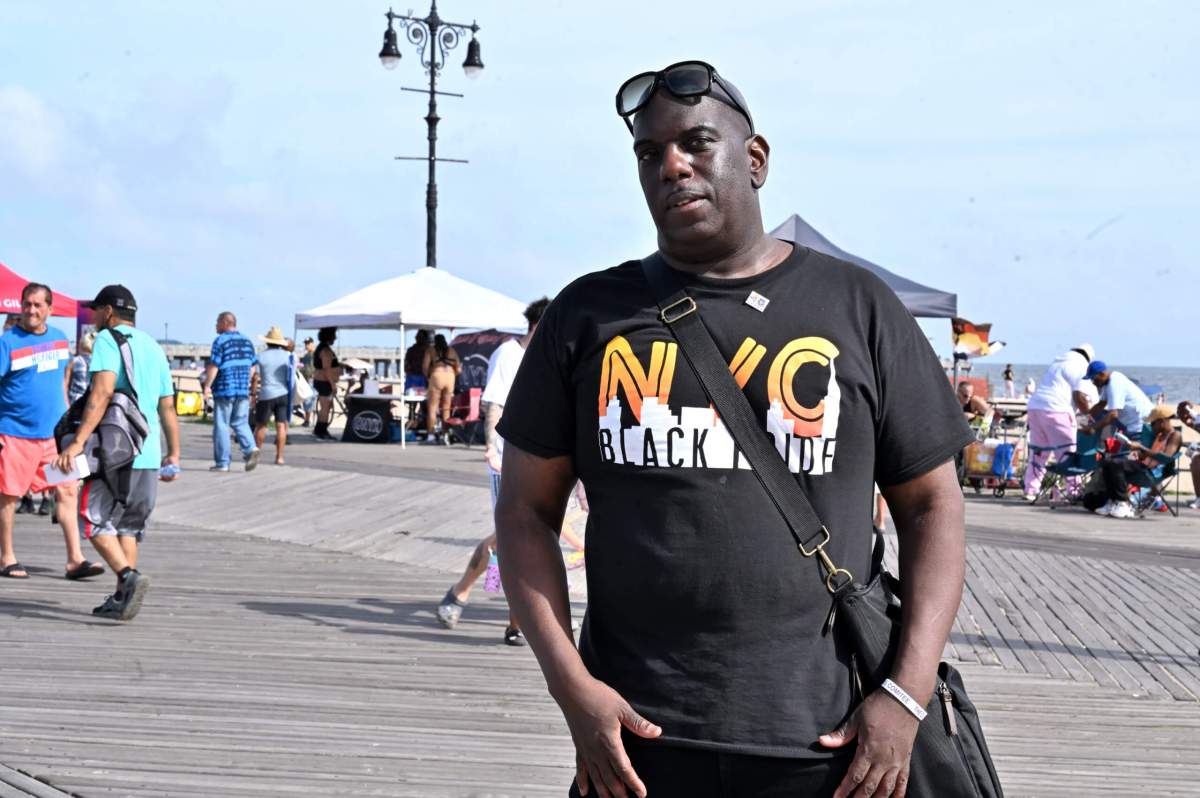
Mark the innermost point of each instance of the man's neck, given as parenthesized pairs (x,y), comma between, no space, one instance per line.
(33,330)
(745,259)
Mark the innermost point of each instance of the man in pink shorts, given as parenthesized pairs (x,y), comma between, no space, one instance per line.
(33,363)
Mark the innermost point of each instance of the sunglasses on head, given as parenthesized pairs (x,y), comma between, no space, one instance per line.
(685,79)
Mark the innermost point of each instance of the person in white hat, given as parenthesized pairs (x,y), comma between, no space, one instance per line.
(275,383)
(1052,427)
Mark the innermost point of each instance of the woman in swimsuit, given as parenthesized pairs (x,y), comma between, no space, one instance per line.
(441,367)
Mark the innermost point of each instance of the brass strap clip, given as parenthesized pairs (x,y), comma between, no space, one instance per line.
(836,578)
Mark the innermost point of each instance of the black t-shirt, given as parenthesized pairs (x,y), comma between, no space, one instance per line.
(701,612)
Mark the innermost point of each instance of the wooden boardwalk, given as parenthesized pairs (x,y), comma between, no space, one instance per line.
(277,658)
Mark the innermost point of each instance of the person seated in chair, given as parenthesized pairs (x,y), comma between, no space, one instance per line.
(1145,460)
(975,409)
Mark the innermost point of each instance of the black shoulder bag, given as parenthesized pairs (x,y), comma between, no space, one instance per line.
(950,758)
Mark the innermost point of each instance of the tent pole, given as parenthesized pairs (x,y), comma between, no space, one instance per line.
(403,380)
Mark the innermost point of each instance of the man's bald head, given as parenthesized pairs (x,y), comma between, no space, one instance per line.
(700,167)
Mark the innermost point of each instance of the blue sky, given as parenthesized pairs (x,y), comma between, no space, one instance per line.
(1038,159)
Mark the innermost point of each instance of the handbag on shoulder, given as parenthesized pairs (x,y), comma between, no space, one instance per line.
(950,757)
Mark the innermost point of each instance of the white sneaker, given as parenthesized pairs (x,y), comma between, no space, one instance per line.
(1031,497)
(1106,509)
(1122,510)
(1195,504)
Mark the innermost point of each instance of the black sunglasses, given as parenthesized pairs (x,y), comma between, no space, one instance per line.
(685,79)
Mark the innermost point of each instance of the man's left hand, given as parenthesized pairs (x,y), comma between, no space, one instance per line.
(885,732)
(492,458)
(66,460)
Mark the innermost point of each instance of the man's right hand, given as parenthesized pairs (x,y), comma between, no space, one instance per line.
(595,714)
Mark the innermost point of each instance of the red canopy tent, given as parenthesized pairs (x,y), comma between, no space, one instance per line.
(11,284)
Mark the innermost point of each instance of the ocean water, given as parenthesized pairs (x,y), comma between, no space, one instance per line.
(1177,383)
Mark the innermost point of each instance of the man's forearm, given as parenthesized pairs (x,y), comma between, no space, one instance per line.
(932,537)
(535,584)
(93,411)
(490,419)
(170,425)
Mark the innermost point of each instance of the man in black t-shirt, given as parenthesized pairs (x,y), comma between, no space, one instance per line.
(702,669)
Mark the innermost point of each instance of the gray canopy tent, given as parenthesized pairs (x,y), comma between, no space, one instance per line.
(921,300)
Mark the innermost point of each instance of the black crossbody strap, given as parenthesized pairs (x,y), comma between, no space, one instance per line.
(126,358)
(680,313)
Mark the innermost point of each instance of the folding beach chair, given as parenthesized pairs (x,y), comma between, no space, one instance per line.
(1067,472)
(1149,484)
(463,423)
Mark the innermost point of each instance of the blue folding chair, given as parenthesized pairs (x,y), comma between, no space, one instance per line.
(1067,472)
(1151,482)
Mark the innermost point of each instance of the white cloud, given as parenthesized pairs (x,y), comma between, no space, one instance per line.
(31,133)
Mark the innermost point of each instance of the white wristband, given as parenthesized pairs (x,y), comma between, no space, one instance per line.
(909,703)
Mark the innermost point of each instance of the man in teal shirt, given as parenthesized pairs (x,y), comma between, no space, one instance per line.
(114,525)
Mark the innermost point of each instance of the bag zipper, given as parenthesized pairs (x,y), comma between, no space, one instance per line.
(947,697)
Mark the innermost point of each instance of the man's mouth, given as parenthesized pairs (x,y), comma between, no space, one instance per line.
(684,201)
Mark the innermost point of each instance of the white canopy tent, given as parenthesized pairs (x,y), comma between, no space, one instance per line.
(431,298)
(425,298)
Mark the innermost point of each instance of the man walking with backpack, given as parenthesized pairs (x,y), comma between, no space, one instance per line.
(114,516)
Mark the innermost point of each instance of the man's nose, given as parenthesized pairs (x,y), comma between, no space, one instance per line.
(676,164)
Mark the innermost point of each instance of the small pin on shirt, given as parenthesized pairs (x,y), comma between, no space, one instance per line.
(757,301)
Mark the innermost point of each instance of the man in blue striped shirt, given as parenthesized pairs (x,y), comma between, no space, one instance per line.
(231,365)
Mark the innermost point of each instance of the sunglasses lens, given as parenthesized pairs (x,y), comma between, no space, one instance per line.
(635,93)
(688,80)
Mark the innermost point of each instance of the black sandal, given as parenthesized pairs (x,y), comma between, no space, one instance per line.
(84,570)
(7,571)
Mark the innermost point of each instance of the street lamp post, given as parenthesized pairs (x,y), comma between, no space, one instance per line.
(434,37)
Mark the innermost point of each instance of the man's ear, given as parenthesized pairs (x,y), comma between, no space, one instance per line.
(760,152)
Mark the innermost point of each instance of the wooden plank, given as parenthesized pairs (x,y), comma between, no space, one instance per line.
(1035,633)
(1101,655)
(1071,651)
(1011,647)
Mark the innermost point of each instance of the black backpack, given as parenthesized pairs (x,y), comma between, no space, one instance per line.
(118,439)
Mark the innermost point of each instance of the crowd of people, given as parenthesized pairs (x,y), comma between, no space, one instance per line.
(52,408)
(1082,404)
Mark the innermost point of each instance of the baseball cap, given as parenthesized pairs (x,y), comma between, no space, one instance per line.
(117,296)
(1087,351)
(1096,367)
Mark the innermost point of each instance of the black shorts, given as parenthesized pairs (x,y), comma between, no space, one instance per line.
(265,408)
(670,772)
(324,389)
